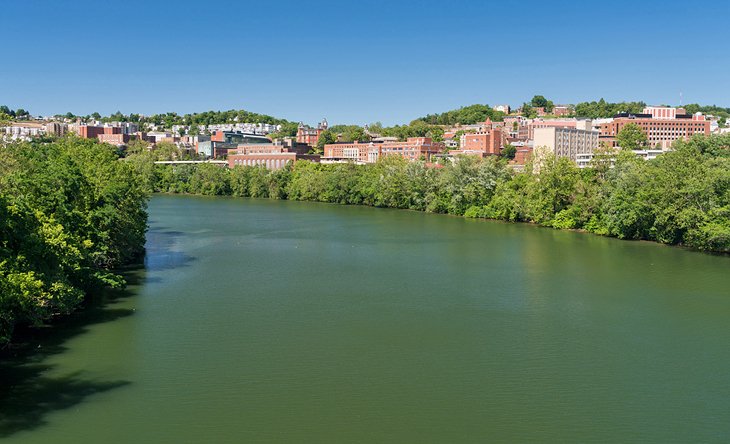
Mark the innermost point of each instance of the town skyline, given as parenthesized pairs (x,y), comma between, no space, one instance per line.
(514,107)
(356,64)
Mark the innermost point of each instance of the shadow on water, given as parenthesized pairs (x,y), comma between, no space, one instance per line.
(28,391)
(162,251)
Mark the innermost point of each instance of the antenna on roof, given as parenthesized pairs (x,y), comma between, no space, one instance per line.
(680,98)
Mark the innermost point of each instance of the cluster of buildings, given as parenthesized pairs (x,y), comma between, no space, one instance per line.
(26,130)
(213,145)
(413,148)
(576,139)
(246,143)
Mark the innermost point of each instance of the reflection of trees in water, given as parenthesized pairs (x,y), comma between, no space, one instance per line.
(28,390)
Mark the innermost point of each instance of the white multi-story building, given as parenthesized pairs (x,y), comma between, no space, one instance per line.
(159,136)
(586,160)
(24,131)
(250,128)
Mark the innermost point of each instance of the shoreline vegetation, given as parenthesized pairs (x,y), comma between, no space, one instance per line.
(71,215)
(74,211)
(680,198)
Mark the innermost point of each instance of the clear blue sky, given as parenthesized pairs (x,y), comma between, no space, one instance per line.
(357,62)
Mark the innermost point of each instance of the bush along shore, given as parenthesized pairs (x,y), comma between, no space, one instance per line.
(680,198)
(70,214)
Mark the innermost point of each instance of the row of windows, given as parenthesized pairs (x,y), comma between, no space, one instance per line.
(269,163)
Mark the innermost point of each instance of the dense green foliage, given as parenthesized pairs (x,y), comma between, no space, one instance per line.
(509,151)
(19,113)
(528,111)
(682,197)
(466,115)
(348,133)
(542,102)
(723,113)
(70,213)
(327,137)
(417,128)
(632,137)
(600,109)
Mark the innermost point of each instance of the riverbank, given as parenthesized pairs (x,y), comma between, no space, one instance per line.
(680,198)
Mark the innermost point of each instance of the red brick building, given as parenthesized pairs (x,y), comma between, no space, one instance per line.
(484,142)
(662,126)
(105,134)
(560,110)
(309,135)
(358,152)
(522,155)
(273,156)
(92,132)
(114,139)
(413,148)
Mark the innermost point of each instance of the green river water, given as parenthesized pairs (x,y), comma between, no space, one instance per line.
(275,321)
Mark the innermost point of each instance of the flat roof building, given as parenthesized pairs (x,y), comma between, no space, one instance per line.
(273,156)
(565,142)
(357,152)
(413,148)
(662,130)
(222,141)
(485,142)
(549,123)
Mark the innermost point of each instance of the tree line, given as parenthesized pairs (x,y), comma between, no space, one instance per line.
(70,214)
(466,115)
(679,198)
(351,133)
(603,109)
(8,114)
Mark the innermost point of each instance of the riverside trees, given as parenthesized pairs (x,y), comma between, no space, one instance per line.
(70,213)
(682,197)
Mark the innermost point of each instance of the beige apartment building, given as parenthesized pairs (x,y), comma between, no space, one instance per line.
(566,142)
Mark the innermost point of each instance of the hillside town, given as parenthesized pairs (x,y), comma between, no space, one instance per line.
(517,134)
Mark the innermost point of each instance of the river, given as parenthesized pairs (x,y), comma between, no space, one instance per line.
(276,321)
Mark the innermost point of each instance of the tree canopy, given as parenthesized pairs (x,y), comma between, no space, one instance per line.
(602,109)
(70,213)
(632,137)
(466,115)
(542,102)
